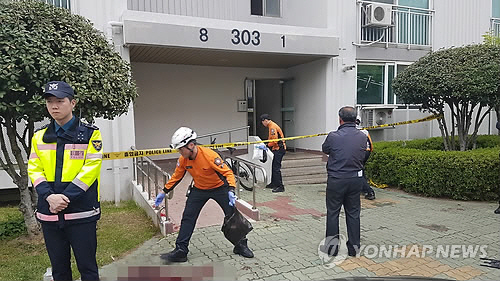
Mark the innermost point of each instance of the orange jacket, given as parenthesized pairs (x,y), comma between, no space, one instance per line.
(208,170)
(275,132)
(369,143)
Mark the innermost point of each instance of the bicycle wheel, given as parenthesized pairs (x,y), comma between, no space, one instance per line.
(246,177)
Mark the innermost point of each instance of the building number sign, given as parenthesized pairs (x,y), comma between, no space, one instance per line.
(238,37)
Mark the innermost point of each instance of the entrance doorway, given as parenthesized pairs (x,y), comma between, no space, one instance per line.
(274,97)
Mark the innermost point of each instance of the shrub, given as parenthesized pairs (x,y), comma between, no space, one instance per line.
(12,227)
(417,166)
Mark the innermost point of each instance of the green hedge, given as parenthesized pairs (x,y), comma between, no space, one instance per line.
(418,166)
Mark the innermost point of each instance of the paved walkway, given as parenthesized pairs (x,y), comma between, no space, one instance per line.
(401,234)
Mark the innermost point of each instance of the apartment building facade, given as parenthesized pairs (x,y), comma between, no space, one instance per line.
(218,64)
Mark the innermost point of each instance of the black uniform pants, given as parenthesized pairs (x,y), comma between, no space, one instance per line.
(344,192)
(276,180)
(195,202)
(367,189)
(82,239)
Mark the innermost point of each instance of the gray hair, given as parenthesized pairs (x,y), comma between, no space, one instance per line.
(348,114)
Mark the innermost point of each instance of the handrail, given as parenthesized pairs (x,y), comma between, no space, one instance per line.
(229,132)
(398,6)
(236,161)
(495,26)
(224,131)
(140,171)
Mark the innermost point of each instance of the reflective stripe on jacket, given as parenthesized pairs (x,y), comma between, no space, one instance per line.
(69,164)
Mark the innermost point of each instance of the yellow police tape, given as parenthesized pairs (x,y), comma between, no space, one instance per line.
(162,151)
(382,185)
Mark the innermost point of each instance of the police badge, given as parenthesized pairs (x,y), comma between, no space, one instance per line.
(97,144)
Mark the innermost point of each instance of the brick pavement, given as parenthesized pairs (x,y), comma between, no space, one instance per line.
(401,234)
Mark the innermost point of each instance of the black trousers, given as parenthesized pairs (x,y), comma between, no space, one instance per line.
(367,189)
(82,239)
(276,168)
(195,202)
(344,192)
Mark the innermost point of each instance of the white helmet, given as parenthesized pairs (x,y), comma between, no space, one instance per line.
(182,137)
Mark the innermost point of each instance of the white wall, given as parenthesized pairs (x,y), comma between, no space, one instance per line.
(310,13)
(201,97)
(460,22)
(309,89)
(99,12)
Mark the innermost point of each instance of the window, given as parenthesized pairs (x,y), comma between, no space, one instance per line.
(495,11)
(269,8)
(59,3)
(374,82)
(411,23)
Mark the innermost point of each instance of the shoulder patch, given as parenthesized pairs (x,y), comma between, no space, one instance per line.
(97,144)
(43,127)
(218,161)
(273,131)
(91,126)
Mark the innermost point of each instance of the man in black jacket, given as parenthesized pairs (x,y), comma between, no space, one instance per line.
(346,149)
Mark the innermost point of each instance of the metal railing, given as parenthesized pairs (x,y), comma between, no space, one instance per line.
(410,26)
(230,133)
(495,27)
(152,179)
(236,161)
(59,3)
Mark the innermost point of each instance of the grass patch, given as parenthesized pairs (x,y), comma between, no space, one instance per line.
(120,230)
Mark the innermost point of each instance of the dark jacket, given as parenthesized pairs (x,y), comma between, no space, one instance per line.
(346,150)
(498,125)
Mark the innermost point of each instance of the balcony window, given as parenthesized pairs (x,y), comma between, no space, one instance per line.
(495,18)
(268,8)
(409,23)
(59,3)
(374,82)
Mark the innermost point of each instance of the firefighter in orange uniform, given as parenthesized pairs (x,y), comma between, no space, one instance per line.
(213,179)
(278,148)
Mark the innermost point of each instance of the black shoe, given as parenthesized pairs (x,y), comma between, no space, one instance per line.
(177,255)
(370,196)
(242,249)
(279,189)
(352,251)
(270,186)
(497,211)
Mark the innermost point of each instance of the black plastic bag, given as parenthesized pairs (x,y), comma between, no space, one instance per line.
(235,227)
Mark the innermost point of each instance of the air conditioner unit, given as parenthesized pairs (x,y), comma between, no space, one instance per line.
(378,15)
(377,116)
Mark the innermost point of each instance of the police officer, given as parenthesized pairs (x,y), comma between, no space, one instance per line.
(346,149)
(213,179)
(64,166)
(367,189)
(278,148)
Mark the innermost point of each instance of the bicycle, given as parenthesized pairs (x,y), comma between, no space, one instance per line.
(244,175)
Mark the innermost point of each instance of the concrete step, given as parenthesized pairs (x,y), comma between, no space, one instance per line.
(304,180)
(285,164)
(300,155)
(303,171)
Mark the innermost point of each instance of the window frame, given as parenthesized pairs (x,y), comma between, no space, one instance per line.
(386,65)
(264,10)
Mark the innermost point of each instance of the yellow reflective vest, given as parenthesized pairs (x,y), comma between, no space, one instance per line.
(69,164)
